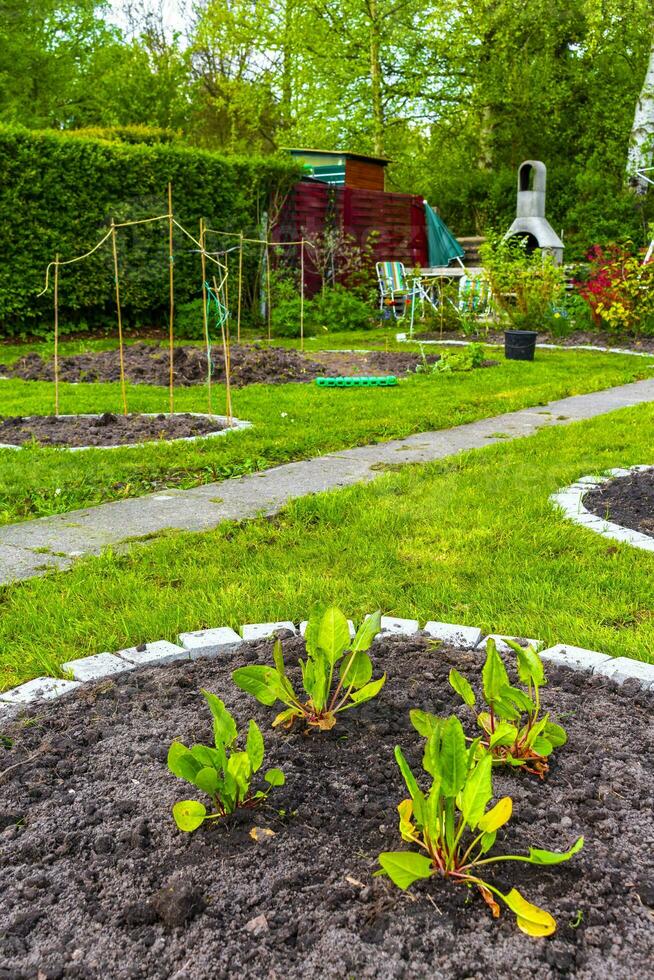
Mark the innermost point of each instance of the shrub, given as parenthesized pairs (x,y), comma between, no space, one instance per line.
(220,772)
(526,286)
(451,825)
(328,644)
(334,310)
(619,290)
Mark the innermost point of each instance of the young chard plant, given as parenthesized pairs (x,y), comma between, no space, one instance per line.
(514,731)
(336,674)
(223,774)
(451,825)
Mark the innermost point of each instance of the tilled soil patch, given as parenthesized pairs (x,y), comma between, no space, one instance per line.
(104,430)
(250,364)
(96,881)
(627,501)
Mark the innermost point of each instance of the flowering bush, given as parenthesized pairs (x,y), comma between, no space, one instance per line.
(619,290)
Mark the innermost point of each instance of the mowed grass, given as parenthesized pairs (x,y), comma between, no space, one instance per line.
(292,421)
(473,539)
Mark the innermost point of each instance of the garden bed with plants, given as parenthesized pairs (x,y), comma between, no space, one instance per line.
(641,345)
(98,881)
(626,500)
(250,364)
(107,430)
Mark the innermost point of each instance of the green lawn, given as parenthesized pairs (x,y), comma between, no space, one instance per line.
(472,539)
(290,422)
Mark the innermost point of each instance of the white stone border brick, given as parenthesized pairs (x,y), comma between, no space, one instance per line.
(571,498)
(234,426)
(211,643)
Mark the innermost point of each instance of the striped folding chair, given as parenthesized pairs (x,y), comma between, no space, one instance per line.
(398,293)
(474,296)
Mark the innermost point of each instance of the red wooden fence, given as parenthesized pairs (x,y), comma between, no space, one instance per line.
(397,221)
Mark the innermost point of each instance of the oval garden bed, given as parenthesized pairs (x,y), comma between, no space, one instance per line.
(626,500)
(108,430)
(97,881)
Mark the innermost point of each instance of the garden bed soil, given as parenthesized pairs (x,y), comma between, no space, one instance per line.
(250,364)
(97,882)
(642,345)
(105,430)
(626,500)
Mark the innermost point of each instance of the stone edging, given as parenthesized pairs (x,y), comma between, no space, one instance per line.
(570,500)
(214,642)
(233,424)
(404,338)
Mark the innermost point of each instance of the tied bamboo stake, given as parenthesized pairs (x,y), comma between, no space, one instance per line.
(226,355)
(121,352)
(56,332)
(302,295)
(205,318)
(172,298)
(240,288)
(268,291)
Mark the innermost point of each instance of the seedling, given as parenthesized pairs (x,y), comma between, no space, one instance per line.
(223,774)
(330,651)
(515,733)
(451,825)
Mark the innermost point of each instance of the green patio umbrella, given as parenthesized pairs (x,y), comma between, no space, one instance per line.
(442,245)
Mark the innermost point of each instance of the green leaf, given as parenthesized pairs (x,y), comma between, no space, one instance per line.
(494,676)
(356,669)
(224,725)
(477,792)
(315,679)
(368,692)
(405,769)
(504,734)
(238,766)
(424,722)
(431,755)
(182,763)
(542,745)
(405,867)
(189,814)
(555,734)
(275,777)
(530,666)
(254,746)
(333,635)
(462,688)
(539,856)
(208,781)
(278,657)
(207,756)
(453,757)
(264,683)
(367,632)
(521,700)
(487,841)
(505,710)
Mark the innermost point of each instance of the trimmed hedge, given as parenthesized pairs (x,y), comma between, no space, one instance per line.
(59,192)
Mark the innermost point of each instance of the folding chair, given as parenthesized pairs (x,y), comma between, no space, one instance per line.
(474,296)
(397,291)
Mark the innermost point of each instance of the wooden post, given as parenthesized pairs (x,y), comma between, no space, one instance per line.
(240,288)
(205,318)
(302,295)
(171,279)
(121,352)
(268,306)
(56,332)
(225,339)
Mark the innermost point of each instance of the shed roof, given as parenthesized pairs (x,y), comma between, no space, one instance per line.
(298,151)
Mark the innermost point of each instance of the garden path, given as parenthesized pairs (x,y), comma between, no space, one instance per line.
(33,547)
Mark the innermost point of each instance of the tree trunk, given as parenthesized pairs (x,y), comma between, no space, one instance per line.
(641,141)
(376,78)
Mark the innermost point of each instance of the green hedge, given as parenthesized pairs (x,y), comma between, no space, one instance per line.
(58,193)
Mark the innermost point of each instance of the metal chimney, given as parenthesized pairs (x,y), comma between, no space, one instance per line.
(530,222)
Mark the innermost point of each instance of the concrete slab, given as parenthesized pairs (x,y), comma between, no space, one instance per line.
(621,669)
(465,637)
(392,626)
(97,667)
(350,625)
(577,658)
(40,689)
(152,654)
(263,631)
(209,642)
(503,646)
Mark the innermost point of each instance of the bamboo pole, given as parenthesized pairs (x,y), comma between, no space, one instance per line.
(171,279)
(240,288)
(56,332)
(302,295)
(121,351)
(268,306)
(225,339)
(205,318)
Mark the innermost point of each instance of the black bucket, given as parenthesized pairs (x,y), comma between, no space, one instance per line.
(519,345)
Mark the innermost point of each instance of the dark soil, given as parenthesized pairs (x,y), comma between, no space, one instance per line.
(97,882)
(627,501)
(250,364)
(104,430)
(640,344)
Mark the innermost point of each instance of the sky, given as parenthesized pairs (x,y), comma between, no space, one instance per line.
(174,11)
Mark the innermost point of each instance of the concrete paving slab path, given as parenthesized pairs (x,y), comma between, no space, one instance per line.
(31,548)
